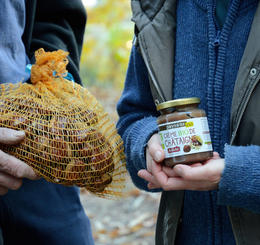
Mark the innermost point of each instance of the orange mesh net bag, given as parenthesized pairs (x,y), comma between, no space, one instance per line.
(70,140)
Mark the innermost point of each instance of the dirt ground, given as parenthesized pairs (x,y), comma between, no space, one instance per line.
(126,221)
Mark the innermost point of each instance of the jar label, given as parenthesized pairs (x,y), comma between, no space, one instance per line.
(185,137)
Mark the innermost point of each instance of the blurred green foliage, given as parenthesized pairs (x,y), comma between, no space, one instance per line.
(107,44)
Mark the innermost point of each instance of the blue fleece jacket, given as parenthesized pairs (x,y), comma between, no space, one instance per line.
(206,63)
(13,59)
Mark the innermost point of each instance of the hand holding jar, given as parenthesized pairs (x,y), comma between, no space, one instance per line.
(197,176)
(180,157)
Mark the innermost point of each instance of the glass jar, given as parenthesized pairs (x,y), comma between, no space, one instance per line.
(184,132)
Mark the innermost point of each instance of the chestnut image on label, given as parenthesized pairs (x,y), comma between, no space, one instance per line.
(196,140)
(186,148)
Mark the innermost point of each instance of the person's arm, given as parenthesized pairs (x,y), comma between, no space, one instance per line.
(138,128)
(57,24)
(237,177)
(240,182)
(60,24)
(137,116)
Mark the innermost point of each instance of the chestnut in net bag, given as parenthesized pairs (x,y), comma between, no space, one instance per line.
(70,140)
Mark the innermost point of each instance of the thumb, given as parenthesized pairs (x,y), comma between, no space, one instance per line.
(155,148)
(10,136)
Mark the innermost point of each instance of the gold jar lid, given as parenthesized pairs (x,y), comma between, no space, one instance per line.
(178,102)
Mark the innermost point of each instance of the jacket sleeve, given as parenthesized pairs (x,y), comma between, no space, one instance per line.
(60,24)
(240,182)
(137,116)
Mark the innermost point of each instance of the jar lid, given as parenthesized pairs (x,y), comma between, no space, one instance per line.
(178,102)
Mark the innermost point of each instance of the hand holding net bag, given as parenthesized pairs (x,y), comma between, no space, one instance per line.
(70,140)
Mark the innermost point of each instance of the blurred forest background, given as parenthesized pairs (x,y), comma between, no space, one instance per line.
(104,61)
(107,44)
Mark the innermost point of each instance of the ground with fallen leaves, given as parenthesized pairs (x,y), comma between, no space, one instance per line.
(126,221)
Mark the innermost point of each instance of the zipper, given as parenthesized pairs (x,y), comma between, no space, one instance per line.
(216,42)
(243,104)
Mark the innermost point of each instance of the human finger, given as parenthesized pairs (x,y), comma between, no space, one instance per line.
(153,186)
(155,149)
(3,190)
(10,136)
(215,155)
(146,175)
(149,161)
(15,167)
(177,183)
(160,182)
(169,171)
(210,171)
(10,182)
(196,164)
(160,177)
(156,176)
